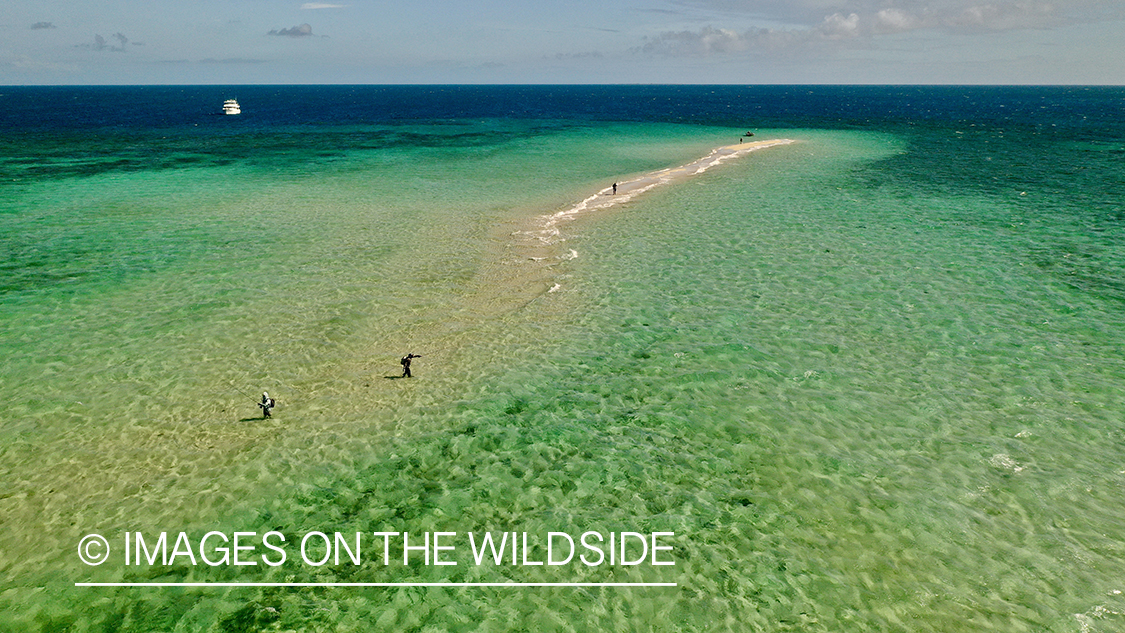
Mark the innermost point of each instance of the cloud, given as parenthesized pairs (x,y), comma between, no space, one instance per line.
(895,20)
(839,27)
(1005,16)
(712,41)
(100,44)
(992,14)
(865,22)
(963,16)
(42,25)
(321,5)
(303,30)
(705,41)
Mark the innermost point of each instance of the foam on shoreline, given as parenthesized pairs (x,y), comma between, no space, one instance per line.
(628,190)
(535,248)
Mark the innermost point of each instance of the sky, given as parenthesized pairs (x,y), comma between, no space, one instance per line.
(562,42)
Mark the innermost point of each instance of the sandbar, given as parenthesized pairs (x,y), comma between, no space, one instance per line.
(532,251)
(631,188)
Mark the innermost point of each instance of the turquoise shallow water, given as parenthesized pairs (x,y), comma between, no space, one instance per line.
(867,386)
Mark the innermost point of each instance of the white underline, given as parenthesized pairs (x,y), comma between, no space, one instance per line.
(375,584)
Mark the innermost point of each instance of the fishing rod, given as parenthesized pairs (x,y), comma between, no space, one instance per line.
(233,388)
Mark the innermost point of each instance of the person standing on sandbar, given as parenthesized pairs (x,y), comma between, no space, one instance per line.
(615,189)
(405,362)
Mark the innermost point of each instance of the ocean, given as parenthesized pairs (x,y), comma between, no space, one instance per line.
(870,380)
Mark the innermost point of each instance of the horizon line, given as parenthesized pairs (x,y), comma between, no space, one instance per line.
(566,84)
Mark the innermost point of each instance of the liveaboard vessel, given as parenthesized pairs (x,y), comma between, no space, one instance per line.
(230,106)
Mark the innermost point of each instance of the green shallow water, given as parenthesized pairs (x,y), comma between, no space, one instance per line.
(862,400)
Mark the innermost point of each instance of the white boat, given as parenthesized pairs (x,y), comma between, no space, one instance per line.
(230,106)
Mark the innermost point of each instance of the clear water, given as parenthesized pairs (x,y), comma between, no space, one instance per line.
(872,380)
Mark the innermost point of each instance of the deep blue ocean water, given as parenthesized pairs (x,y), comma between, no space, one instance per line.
(174,126)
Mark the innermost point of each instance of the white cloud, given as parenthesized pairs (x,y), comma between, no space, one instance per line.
(882,16)
(836,26)
(864,22)
(810,12)
(895,21)
(1006,16)
(710,40)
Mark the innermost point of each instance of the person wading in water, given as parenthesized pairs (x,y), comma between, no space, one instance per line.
(267,403)
(405,362)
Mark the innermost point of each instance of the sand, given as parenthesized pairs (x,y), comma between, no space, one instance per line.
(527,263)
(629,189)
